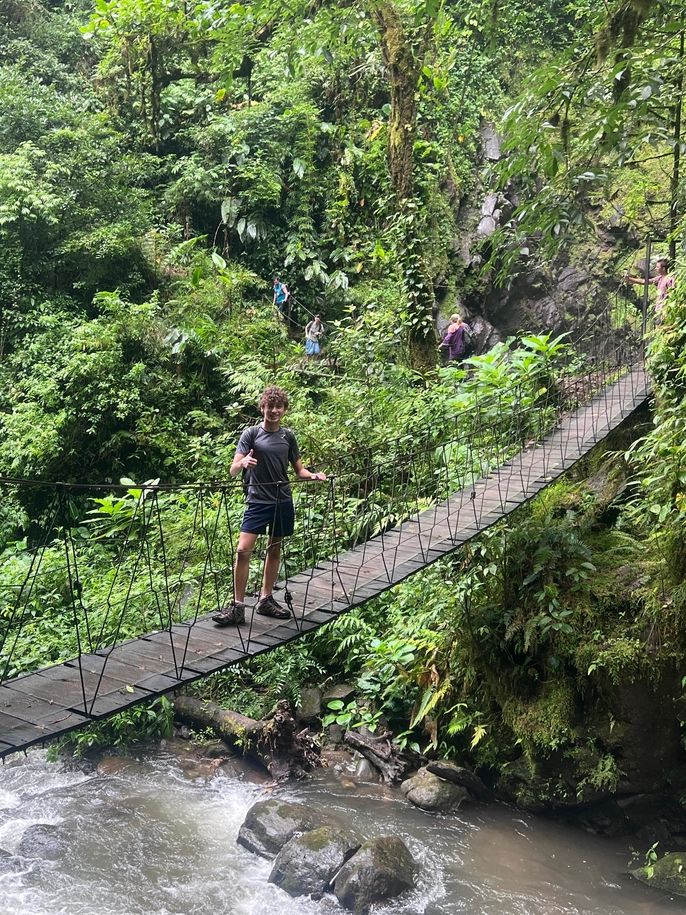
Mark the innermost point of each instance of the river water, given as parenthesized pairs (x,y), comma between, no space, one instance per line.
(154,837)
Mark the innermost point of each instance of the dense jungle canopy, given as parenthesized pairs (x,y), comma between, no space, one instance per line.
(162,160)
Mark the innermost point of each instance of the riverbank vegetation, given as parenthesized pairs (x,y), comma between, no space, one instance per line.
(160,162)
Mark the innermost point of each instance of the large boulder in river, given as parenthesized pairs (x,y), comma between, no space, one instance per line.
(45,841)
(458,775)
(382,869)
(430,792)
(270,824)
(308,863)
(667,874)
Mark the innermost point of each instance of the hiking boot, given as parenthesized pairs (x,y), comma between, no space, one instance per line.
(230,615)
(267,606)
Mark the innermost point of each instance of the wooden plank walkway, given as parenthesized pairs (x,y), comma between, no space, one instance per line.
(39,706)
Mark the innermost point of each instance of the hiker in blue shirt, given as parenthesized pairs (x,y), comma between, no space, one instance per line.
(265,452)
(281,295)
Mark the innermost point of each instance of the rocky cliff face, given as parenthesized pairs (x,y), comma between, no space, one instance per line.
(564,296)
(619,765)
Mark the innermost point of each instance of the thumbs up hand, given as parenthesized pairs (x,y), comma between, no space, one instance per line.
(249,460)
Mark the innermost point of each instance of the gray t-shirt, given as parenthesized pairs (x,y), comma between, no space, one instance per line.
(274,451)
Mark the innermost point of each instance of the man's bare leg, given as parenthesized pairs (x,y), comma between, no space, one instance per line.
(233,614)
(246,545)
(271,566)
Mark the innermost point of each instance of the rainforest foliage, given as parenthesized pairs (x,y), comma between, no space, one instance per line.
(162,160)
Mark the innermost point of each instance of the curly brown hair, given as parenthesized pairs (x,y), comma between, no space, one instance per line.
(274,396)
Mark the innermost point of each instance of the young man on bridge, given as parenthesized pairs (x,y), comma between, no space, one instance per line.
(264,453)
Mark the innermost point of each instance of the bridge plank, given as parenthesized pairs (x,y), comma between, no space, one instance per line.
(68,693)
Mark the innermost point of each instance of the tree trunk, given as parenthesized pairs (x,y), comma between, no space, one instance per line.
(275,741)
(155,94)
(404,58)
(676,161)
(403,65)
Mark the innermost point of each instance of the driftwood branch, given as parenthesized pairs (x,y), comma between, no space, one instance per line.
(275,741)
(380,752)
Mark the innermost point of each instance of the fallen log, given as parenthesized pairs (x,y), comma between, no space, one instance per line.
(380,752)
(274,741)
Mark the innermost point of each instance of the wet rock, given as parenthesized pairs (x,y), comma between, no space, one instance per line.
(432,793)
(648,729)
(310,705)
(179,747)
(246,769)
(335,734)
(462,247)
(44,841)
(9,863)
(458,775)
(366,771)
(216,749)
(308,863)
(489,206)
(270,824)
(490,141)
(348,784)
(339,759)
(484,334)
(341,691)
(667,874)
(213,757)
(119,765)
(203,769)
(654,833)
(618,222)
(487,226)
(382,869)
(608,485)
(572,278)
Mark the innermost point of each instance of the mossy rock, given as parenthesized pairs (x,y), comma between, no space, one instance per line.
(382,869)
(520,783)
(432,793)
(307,864)
(667,874)
(270,824)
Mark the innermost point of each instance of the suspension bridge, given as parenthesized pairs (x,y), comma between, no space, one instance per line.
(130,585)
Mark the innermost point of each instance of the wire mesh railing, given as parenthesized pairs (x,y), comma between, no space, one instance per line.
(111,564)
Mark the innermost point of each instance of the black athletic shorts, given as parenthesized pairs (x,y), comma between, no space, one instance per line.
(276,517)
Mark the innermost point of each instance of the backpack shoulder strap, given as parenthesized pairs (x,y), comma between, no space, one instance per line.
(251,432)
(290,438)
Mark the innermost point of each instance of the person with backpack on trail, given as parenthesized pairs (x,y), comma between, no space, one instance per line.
(313,331)
(456,338)
(281,295)
(264,453)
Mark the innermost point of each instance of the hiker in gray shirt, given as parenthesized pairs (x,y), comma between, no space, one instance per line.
(264,453)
